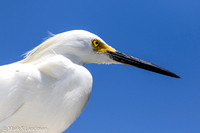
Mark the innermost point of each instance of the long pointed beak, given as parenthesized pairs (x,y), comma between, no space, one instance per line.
(129,60)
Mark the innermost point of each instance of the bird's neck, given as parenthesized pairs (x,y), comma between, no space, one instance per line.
(72,58)
(49,49)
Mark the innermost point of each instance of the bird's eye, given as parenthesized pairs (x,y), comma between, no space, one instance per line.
(95,43)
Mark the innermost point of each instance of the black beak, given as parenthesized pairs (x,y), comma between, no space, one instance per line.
(129,60)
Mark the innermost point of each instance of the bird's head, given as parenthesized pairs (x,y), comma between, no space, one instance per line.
(86,47)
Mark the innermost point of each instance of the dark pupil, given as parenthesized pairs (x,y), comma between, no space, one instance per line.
(96,43)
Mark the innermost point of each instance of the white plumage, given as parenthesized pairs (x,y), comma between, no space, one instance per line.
(47,91)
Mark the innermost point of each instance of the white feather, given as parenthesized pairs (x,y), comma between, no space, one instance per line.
(50,87)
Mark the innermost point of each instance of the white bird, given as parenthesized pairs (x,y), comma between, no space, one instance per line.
(50,87)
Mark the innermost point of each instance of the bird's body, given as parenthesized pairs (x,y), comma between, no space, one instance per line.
(47,91)
(48,99)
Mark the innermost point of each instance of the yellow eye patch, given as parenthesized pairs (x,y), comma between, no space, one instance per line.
(96,43)
(101,47)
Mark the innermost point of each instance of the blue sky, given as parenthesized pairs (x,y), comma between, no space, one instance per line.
(124,98)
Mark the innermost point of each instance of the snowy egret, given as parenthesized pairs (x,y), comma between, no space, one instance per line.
(51,86)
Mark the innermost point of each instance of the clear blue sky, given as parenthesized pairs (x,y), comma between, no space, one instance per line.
(124,99)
